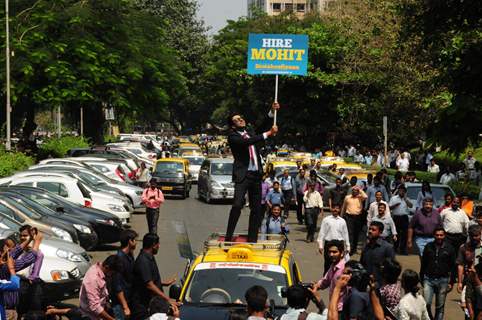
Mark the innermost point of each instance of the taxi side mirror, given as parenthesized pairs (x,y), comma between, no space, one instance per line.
(175,291)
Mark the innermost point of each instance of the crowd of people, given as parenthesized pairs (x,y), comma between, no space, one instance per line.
(447,240)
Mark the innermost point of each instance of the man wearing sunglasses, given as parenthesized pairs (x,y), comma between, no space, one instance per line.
(247,171)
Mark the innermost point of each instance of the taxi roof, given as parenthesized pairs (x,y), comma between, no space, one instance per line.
(270,251)
(172,160)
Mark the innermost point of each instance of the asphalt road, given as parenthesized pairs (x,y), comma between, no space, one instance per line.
(202,219)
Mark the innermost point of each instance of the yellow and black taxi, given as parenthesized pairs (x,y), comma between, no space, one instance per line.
(215,282)
(172,176)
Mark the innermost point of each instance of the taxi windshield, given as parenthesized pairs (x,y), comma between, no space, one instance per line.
(169,167)
(221,169)
(196,161)
(228,285)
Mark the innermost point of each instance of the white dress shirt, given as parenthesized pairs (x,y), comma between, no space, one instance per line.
(373,211)
(401,209)
(412,307)
(333,229)
(293,314)
(313,199)
(454,221)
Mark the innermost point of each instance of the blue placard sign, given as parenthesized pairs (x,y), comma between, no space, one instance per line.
(285,54)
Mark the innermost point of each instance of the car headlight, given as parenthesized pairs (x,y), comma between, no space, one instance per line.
(139,192)
(59,275)
(115,207)
(62,234)
(107,221)
(82,228)
(69,255)
(216,184)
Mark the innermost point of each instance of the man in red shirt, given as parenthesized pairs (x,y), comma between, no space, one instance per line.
(152,197)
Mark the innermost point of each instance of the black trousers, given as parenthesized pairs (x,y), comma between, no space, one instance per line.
(354,224)
(311,219)
(288,197)
(456,240)
(152,216)
(401,223)
(252,185)
(299,207)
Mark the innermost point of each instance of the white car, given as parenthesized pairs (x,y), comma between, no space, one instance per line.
(73,190)
(195,162)
(63,267)
(91,188)
(133,193)
(136,148)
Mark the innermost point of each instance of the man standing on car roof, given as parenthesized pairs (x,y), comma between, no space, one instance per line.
(247,172)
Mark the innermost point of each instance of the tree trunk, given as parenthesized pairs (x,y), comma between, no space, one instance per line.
(94,124)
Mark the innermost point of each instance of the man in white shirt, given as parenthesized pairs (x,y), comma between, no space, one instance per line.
(399,206)
(456,223)
(313,205)
(389,233)
(447,177)
(332,228)
(433,167)
(373,208)
(298,299)
(403,163)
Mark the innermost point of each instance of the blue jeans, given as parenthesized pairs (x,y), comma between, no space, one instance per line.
(421,243)
(118,312)
(437,286)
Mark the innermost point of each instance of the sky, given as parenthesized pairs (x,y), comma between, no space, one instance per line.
(215,13)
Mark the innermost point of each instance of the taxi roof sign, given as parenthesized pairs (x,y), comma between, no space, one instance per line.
(275,242)
(240,252)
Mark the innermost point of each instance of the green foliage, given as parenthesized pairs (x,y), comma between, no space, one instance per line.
(57,148)
(357,72)
(90,54)
(11,162)
(469,189)
(446,35)
(421,175)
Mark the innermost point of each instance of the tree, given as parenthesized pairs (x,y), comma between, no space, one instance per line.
(448,37)
(186,34)
(90,54)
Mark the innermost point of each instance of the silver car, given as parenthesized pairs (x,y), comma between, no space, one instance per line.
(215,179)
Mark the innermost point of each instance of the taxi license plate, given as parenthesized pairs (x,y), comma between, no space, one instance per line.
(166,188)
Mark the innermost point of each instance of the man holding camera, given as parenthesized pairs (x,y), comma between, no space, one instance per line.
(298,299)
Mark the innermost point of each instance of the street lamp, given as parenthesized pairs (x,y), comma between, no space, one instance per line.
(8,144)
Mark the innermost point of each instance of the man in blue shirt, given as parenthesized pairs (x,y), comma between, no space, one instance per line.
(275,196)
(274,223)
(371,191)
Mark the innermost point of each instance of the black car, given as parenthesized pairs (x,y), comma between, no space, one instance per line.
(106,225)
(86,236)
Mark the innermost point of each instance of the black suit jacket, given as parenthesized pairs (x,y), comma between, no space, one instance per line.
(240,150)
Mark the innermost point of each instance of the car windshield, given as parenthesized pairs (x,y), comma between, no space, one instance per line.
(8,224)
(228,285)
(169,167)
(221,169)
(195,161)
(438,194)
(21,207)
(280,169)
(92,179)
